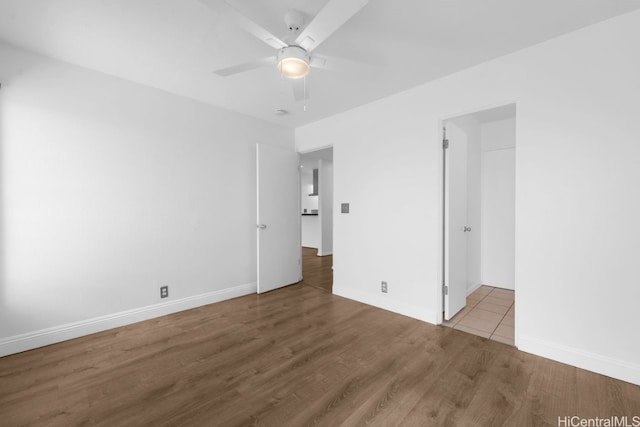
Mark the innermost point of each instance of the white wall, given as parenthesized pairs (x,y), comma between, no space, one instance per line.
(499,134)
(109,190)
(576,252)
(326,207)
(498,217)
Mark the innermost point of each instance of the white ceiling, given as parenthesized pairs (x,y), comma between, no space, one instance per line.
(175,45)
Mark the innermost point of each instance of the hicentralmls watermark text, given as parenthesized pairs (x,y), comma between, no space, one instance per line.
(613,421)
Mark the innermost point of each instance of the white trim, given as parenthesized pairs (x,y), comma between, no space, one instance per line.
(478,109)
(615,368)
(31,340)
(410,310)
(324,253)
(313,149)
(473,288)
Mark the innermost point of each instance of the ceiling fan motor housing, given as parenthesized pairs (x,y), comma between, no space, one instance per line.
(293,62)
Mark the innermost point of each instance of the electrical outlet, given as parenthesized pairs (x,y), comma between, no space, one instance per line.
(383,287)
(164,291)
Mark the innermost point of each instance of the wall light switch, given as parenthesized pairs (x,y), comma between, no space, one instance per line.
(344,208)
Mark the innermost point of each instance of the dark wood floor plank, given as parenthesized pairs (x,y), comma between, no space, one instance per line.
(317,271)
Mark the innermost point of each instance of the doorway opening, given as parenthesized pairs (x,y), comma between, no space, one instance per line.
(479,152)
(316,203)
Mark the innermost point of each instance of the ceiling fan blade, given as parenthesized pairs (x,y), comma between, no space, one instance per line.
(300,89)
(318,61)
(347,66)
(235,69)
(329,19)
(250,26)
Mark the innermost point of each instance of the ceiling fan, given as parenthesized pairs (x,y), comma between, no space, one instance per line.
(294,56)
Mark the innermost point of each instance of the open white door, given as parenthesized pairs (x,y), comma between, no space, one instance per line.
(278,226)
(455,221)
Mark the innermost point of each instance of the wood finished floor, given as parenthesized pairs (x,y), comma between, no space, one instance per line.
(316,270)
(293,357)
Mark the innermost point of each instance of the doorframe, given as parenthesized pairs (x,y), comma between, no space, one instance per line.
(441,208)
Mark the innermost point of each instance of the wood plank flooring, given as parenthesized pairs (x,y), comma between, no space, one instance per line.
(316,270)
(293,357)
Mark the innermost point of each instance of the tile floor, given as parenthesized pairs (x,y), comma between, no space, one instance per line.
(489,313)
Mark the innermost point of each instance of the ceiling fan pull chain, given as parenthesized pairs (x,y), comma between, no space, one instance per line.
(304,82)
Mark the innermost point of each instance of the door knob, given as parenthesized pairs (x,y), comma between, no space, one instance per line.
(262,226)
(467,228)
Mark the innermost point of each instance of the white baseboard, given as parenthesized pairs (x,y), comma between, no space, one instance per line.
(388,304)
(473,288)
(614,368)
(31,340)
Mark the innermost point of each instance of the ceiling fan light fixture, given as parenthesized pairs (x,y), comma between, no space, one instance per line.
(293,62)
